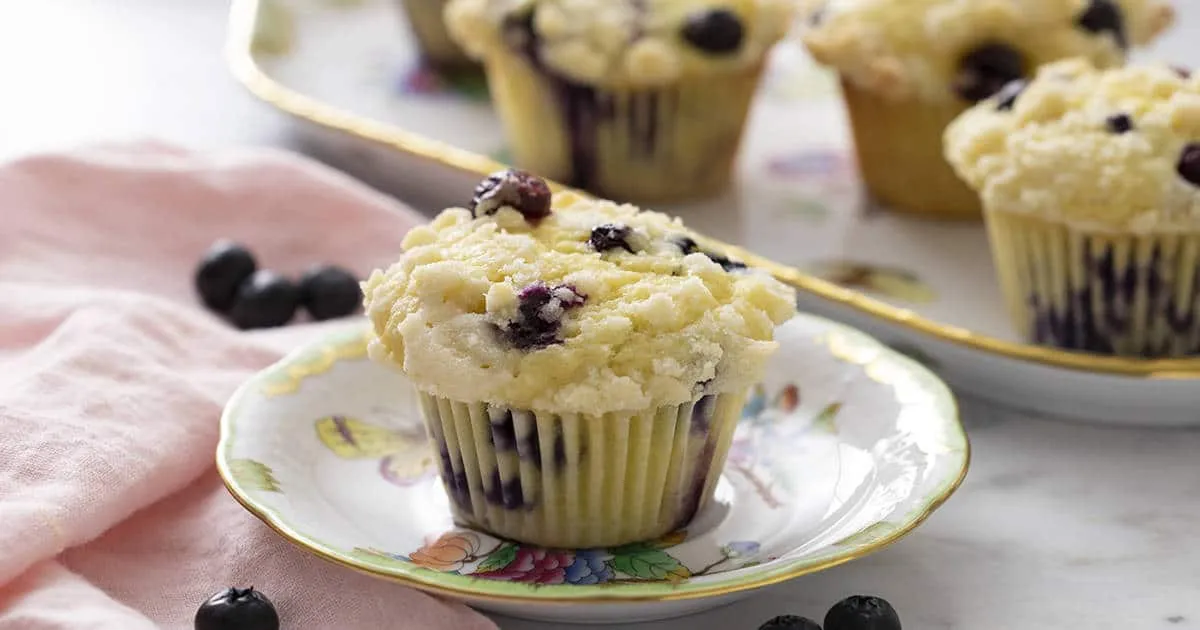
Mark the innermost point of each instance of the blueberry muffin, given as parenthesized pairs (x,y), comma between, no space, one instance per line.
(581,364)
(1090,181)
(909,67)
(424,18)
(630,99)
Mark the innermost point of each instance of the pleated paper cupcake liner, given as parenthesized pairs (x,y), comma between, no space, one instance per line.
(632,144)
(579,481)
(899,148)
(1126,295)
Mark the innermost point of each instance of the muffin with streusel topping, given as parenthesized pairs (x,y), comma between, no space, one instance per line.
(581,364)
(909,67)
(1090,181)
(630,99)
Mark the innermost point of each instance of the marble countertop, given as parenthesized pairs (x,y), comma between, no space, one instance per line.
(1058,525)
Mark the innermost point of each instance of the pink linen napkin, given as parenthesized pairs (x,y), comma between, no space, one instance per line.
(112,379)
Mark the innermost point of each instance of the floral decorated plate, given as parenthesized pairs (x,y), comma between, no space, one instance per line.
(845,447)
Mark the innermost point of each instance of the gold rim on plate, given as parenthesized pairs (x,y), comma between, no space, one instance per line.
(244,23)
(845,343)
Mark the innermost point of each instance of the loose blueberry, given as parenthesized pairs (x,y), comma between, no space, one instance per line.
(1189,163)
(1006,99)
(611,236)
(986,70)
(223,269)
(790,622)
(717,31)
(237,609)
(1104,16)
(862,613)
(540,314)
(265,300)
(329,292)
(525,193)
(1119,123)
(1183,73)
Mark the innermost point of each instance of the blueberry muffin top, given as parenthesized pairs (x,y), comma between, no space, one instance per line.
(624,42)
(1115,150)
(563,304)
(966,50)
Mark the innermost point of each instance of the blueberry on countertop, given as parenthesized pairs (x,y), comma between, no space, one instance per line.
(329,292)
(222,270)
(524,192)
(717,31)
(985,71)
(237,609)
(790,622)
(265,300)
(861,612)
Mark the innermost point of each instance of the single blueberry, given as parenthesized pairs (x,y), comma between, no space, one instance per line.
(540,312)
(1184,73)
(1189,163)
(524,192)
(224,268)
(265,300)
(790,622)
(1119,123)
(717,31)
(1104,16)
(329,292)
(237,609)
(1006,99)
(862,613)
(987,69)
(611,236)
(688,246)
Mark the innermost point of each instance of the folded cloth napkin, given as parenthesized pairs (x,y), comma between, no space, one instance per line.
(112,379)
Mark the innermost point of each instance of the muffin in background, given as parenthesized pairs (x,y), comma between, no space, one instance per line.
(1090,181)
(425,18)
(581,365)
(909,67)
(639,100)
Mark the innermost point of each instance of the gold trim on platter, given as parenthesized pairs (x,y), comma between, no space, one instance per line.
(244,23)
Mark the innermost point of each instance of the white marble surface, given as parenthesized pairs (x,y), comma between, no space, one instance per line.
(1058,526)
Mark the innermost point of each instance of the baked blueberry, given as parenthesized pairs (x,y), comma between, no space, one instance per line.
(1184,73)
(329,292)
(717,31)
(1119,123)
(987,69)
(1189,163)
(1104,16)
(688,246)
(790,622)
(611,236)
(237,609)
(525,193)
(861,612)
(224,268)
(265,300)
(540,314)
(1006,99)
